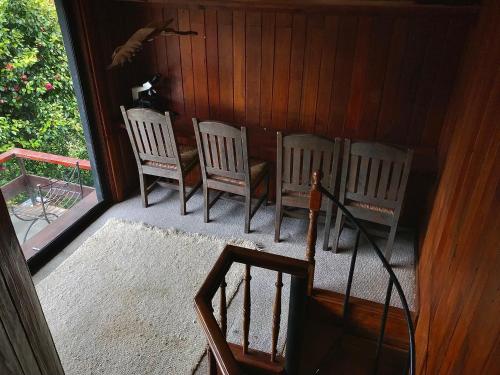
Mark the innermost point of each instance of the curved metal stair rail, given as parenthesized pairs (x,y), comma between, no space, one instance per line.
(317,192)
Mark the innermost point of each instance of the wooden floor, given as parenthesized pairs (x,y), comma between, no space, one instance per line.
(335,350)
(332,346)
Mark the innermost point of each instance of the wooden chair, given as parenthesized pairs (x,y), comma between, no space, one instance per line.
(373,185)
(157,154)
(225,166)
(298,156)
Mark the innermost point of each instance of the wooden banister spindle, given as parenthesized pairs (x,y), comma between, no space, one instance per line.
(314,207)
(212,362)
(246,309)
(276,316)
(223,308)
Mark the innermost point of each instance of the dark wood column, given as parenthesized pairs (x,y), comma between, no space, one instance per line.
(26,346)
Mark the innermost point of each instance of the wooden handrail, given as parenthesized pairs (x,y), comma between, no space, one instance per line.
(218,346)
(314,208)
(44,157)
(235,254)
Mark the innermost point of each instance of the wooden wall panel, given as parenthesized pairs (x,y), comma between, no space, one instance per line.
(253,66)
(174,78)
(26,345)
(372,76)
(296,71)
(226,76)
(267,69)
(458,327)
(380,73)
(199,54)
(212,52)
(326,73)
(346,43)
(283,40)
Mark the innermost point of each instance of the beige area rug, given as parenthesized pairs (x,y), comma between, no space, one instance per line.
(123,302)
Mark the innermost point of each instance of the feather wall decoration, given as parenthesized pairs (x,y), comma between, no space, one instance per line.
(134,44)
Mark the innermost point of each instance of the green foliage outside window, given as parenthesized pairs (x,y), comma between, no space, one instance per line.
(38,109)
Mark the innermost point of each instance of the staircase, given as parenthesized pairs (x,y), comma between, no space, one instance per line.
(327,333)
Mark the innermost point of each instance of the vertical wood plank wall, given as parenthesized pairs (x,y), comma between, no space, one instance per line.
(378,73)
(26,345)
(458,328)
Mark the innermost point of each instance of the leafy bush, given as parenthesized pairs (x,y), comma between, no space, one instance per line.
(38,109)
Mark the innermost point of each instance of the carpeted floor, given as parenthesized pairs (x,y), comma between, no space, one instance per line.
(369,282)
(121,304)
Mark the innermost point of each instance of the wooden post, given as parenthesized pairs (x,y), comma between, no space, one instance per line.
(223,308)
(314,207)
(26,344)
(295,328)
(276,316)
(246,309)
(26,181)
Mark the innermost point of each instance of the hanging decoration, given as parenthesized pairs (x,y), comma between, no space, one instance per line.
(134,44)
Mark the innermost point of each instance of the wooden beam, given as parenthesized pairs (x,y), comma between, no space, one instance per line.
(346,6)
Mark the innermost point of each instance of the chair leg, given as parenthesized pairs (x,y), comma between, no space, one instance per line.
(182,196)
(206,208)
(328,224)
(390,242)
(336,231)
(29,228)
(278,219)
(144,192)
(268,182)
(248,209)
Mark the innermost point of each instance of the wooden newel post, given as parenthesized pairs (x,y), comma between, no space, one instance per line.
(314,207)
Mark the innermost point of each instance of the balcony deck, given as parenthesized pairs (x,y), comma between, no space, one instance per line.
(41,232)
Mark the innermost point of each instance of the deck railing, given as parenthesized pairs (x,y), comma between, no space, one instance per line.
(22,154)
(25,180)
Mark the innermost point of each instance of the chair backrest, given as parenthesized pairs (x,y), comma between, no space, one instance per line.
(223,149)
(299,155)
(375,173)
(151,135)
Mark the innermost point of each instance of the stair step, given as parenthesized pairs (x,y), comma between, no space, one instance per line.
(332,349)
(356,356)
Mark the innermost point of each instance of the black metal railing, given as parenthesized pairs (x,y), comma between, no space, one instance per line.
(393,283)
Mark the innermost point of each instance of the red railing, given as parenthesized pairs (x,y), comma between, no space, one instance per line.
(44,157)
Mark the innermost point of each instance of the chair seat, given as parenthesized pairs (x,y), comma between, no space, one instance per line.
(258,169)
(298,194)
(372,207)
(300,199)
(188,156)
